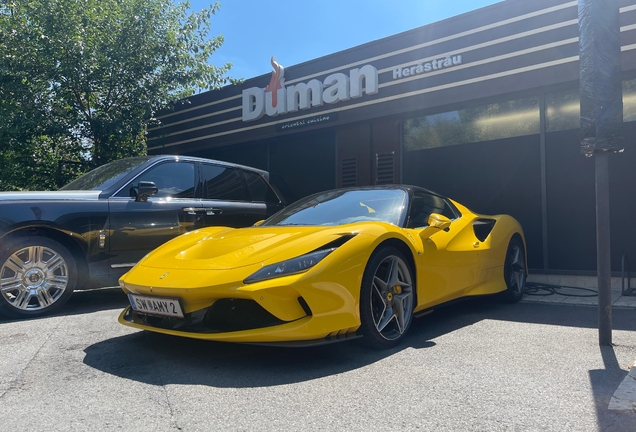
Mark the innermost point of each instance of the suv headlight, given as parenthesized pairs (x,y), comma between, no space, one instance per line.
(289,267)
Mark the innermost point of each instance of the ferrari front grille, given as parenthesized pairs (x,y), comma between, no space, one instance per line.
(234,314)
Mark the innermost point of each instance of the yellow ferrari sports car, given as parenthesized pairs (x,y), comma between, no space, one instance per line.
(333,266)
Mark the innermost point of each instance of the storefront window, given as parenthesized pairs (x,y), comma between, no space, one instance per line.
(562,110)
(484,123)
(629,100)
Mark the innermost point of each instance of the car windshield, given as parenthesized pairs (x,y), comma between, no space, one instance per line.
(344,206)
(103,177)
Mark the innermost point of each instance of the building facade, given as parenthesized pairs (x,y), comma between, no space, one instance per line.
(482,107)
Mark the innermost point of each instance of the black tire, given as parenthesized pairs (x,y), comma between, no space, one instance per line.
(387,298)
(515,272)
(37,276)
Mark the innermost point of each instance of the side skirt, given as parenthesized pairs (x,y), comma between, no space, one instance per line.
(425,312)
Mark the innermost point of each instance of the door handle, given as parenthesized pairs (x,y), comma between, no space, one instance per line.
(207,210)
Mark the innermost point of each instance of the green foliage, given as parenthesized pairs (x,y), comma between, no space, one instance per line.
(80,80)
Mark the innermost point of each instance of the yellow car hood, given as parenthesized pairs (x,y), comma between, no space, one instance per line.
(214,249)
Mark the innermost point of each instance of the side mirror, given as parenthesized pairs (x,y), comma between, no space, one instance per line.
(436,223)
(259,222)
(145,189)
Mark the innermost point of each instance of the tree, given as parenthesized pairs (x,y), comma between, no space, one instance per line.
(80,80)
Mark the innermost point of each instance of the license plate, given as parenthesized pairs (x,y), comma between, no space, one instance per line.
(156,305)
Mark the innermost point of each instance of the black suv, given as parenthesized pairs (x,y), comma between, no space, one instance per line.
(91,231)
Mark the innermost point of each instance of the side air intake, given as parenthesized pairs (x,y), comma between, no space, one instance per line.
(483,228)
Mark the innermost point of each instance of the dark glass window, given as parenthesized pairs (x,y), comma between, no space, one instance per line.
(173,180)
(483,123)
(629,100)
(259,189)
(105,176)
(222,183)
(562,110)
(423,205)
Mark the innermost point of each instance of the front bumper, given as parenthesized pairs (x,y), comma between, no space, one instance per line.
(304,331)
(218,306)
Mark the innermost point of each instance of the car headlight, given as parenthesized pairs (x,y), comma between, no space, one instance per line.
(290,266)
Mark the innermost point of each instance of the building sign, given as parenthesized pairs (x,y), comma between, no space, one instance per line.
(446,62)
(309,121)
(276,99)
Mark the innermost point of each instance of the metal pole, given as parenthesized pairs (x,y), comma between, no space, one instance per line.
(544,181)
(601,127)
(603,262)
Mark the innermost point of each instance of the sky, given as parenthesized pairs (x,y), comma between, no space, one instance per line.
(295,31)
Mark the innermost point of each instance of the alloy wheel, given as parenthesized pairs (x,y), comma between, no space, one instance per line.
(392,298)
(517,269)
(33,278)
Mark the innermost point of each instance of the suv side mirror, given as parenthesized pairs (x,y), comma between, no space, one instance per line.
(145,189)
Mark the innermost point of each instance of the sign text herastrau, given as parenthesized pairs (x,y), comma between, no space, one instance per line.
(446,62)
(276,99)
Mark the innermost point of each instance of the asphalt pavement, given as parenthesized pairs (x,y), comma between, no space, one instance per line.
(475,366)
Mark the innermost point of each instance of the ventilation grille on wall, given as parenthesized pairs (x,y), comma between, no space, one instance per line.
(349,172)
(384,168)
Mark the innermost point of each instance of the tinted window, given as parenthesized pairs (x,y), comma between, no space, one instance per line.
(562,110)
(173,180)
(103,177)
(221,183)
(259,189)
(423,205)
(483,123)
(629,100)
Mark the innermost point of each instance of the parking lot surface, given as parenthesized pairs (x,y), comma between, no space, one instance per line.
(477,365)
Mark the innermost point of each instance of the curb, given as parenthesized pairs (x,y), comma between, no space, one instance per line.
(624,398)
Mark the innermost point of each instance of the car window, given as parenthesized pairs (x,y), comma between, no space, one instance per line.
(423,205)
(173,180)
(344,206)
(105,176)
(259,189)
(223,183)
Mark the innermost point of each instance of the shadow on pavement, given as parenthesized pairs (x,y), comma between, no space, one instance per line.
(160,359)
(82,302)
(604,383)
